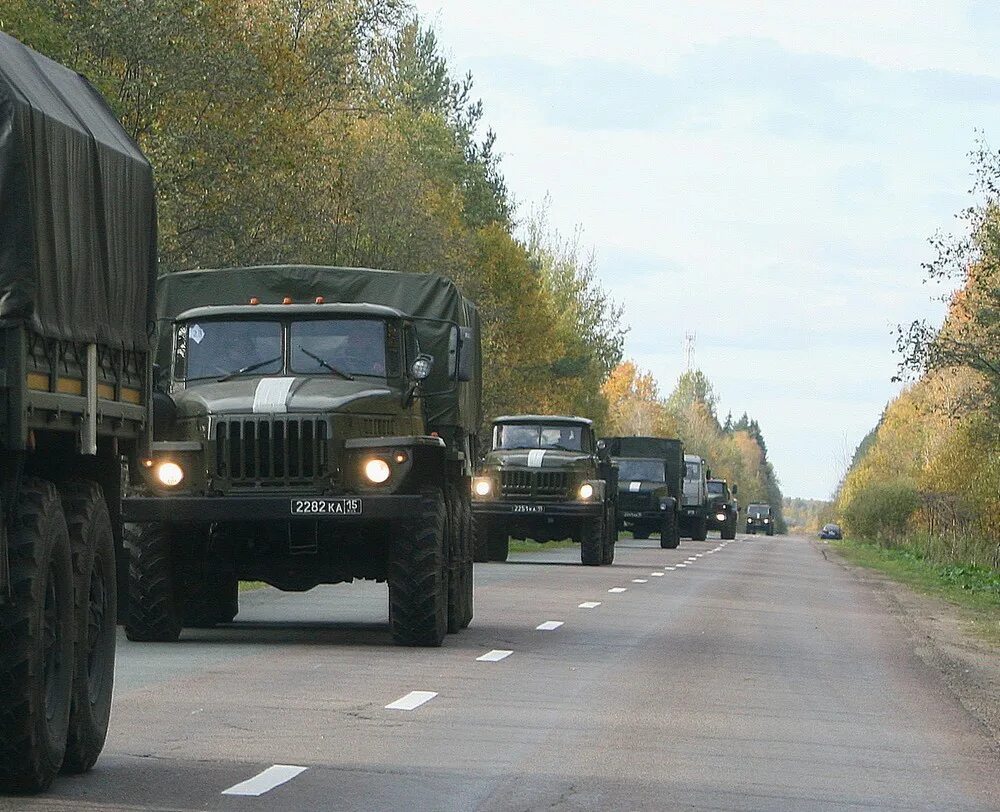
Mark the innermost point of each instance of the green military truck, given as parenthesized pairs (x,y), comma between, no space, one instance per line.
(650,486)
(77,268)
(760,519)
(723,510)
(695,503)
(312,426)
(545,478)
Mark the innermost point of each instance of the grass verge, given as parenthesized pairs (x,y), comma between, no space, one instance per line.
(536,547)
(247,586)
(974,590)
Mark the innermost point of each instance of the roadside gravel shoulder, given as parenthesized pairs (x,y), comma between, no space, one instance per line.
(940,635)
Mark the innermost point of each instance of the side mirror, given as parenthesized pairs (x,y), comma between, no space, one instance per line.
(736,489)
(164,415)
(708,473)
(466,355)
(421,368)
(159,378)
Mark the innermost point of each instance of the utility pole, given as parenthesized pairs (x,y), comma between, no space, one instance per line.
(689,339)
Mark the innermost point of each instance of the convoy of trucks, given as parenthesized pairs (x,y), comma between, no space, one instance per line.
(77,267)
(301,425)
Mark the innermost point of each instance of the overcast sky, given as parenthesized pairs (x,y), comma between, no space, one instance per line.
(764,174)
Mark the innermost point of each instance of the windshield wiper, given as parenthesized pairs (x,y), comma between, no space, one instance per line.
(249,368)
(323,362)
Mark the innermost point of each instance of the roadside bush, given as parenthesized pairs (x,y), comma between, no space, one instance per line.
(882,511)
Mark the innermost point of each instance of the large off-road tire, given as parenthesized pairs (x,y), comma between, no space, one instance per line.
(418,576)
(592,541)
(610,536)
(729,530)
(670,532)
(37,631)
(498,545)
(93,545)
(480,546)
(700,532)
(468,540)
(154,596)
(640,533)
(459,586)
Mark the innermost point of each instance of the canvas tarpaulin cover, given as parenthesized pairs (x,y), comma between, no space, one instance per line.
(423,296)
(77,208)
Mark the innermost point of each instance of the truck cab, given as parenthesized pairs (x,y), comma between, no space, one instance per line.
(650,472)
(545,478)
(695,503)
(723,509)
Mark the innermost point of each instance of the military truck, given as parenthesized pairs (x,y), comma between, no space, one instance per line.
(695,502)
(77,267)
(723,510)
(759,519)
(650,486)
(545,478)
(313,425)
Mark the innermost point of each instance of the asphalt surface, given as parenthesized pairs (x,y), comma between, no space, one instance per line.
(757,676)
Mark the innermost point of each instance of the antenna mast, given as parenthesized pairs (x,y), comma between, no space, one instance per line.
(689,339)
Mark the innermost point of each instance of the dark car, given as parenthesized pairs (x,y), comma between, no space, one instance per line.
(831,531)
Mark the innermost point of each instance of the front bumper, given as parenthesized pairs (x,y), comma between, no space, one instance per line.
(272,507)
(528,510)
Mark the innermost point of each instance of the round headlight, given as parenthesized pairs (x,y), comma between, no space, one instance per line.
(169,474)
(586,490)
(377,471)
(421,368)
(720,516)
(483,487)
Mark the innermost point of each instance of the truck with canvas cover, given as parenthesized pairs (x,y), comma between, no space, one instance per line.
(312,425)
(650,485)
(723,509)
(77,270)
(695,503)
(546,478)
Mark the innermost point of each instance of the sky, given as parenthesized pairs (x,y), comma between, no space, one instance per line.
(765,175)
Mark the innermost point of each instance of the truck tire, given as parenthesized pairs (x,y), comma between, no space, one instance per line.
(457,579)
(418,576)
(640,533)
(700,530)
(592,542)
(37,629)
(468,540)
(93,546)
(498,545)
(670,534)
(610,537)
(480,547)
(729,530)
(154,613)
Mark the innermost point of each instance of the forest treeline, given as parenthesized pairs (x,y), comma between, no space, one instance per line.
(928,475)
(736,450)
(335,132)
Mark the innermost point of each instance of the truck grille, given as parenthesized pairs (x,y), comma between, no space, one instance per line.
(636,501)
(541,484)
(271,451)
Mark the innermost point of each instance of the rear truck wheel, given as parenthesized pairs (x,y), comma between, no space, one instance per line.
(592,541)
(37,629)
(456,591)
(610,537)
(154,610)
(700,530)
(480,546)
(670,533)
(498,545)
(93,546)
(418,576)
(640,533)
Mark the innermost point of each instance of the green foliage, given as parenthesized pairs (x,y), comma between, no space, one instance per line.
(882,510)
(806,515)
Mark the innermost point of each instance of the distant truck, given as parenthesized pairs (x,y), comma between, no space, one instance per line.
(695,504)
(723,511)
(314,425)
(650,486)
(545,478)
(759,519)
(77,268)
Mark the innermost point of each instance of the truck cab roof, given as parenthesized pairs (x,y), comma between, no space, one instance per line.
(543,418)
(362,309)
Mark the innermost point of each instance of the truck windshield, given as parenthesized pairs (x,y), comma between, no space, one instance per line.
(566,438)
(339,346)
(641,470)
(215,348)
(759,511)
(717,489)
(692,470)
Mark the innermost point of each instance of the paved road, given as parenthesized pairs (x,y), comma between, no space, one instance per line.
(757,676)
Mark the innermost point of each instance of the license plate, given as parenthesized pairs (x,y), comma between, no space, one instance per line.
(631,514)
(527,508)
(347,506)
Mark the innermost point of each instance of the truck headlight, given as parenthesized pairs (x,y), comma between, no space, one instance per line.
(482,486)
(586,490)
(169,474)
(720,516)
(377,471)
(767,521)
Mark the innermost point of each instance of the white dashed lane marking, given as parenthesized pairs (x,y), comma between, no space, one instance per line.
(682,565)
(670,569)
(549,625)
(413,700)
(639,581)
(589,605)
(616,589)
(494,656)
(699,555)
(656,574)
(265,781)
